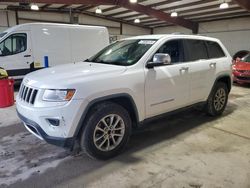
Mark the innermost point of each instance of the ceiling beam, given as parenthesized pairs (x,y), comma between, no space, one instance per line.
(205,8)
(63,6)
(110,9)
(221,17)
(166,9)
(159,15)
(212,12)
(159,25)
(120,13)
(150,5)
(67,2)
(45,6)
(244,4)
(87,7)
(162,3)
(126,4)
(17,8)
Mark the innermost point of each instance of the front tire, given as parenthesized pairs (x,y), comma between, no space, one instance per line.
(106,132)
(217,100)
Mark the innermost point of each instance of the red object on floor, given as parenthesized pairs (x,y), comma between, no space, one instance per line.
(6,92)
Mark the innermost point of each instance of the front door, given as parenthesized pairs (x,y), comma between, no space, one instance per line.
(15,55)
(167,87)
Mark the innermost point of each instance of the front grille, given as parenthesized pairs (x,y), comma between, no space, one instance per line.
(243,78)
(244,71)
(27,94)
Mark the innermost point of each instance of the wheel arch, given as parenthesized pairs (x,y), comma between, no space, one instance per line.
(225,78)
(123,99)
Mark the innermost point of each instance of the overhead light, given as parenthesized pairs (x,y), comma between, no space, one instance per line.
(174,14)
(98,11)
(224,5)
(137,20)
(34,7)
(133,1)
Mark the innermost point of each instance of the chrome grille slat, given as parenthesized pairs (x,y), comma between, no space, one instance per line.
(24,92)
(27,94)
(20,91)
(32,92)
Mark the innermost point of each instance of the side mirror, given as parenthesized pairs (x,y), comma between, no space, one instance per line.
(1,52)
(159,59)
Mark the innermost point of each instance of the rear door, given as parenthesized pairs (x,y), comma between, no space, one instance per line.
(202,69)
(16,56)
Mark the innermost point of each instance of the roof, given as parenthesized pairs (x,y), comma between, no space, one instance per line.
(21,26)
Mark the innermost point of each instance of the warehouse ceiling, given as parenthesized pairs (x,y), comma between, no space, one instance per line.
(151,13)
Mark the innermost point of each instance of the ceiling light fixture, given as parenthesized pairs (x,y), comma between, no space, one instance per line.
(137,20)
(133,1)
(174,14)
(224,5)
(98,11)
(34,7)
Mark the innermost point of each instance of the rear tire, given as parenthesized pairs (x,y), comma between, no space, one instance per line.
(217,100)
(106,132)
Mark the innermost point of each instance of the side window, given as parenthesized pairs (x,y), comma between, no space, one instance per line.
(6,47)
(214,50)
(195,50)
(174,49)
(14,44)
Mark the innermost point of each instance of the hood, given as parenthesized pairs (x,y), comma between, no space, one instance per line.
(242,65)
(64,76)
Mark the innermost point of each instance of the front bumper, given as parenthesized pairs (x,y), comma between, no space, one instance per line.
(35,129)
(241,78)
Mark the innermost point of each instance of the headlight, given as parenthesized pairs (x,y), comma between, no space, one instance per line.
(58,95)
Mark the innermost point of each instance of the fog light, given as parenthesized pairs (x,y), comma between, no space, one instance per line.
(54,122)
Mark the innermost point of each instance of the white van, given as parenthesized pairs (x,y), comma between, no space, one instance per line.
(27,47)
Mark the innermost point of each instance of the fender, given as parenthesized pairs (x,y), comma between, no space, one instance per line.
(102,99)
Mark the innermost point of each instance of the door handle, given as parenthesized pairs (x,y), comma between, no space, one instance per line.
(184,68)
(212,65)
(26,55)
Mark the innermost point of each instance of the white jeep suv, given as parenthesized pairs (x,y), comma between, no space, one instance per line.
(94,104)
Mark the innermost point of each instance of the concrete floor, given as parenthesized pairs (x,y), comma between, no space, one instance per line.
(186,150)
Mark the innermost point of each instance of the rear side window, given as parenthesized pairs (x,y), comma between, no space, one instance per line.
(214,50)
(195,50)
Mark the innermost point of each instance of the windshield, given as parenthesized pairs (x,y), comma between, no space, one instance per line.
(246,58)
(126,52)
(2,34)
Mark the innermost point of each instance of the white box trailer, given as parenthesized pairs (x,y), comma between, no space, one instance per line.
(27,47)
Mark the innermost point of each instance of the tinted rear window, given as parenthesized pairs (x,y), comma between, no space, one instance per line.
(246,58)
(214,50)
(195,50)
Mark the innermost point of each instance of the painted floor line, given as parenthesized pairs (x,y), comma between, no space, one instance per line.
(232,133)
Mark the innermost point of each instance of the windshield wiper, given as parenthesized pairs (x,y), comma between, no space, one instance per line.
(104,62)
(108,63)
(119,63)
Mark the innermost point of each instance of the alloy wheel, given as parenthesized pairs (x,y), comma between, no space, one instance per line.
(109,132)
